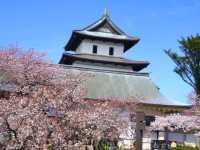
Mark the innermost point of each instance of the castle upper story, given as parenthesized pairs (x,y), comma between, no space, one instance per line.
(101,45)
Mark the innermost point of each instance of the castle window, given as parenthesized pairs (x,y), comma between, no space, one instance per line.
(94,50)
(111,51)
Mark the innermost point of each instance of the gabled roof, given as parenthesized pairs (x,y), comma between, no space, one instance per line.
(102,29)
(104,20)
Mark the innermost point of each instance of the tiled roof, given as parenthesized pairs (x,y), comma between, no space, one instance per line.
(139,88)
(106,35)
(104,59)
(132,87)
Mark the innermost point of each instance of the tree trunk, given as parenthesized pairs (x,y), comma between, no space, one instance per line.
(95,144)
(184,138)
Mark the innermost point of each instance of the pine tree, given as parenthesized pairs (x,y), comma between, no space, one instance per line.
(188,64)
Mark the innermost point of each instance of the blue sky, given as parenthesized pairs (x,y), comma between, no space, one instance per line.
(47,24)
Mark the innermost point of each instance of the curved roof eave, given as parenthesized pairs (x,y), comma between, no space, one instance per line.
(88,32)
(78,35)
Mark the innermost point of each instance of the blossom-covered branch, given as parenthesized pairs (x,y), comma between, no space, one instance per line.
(45,106)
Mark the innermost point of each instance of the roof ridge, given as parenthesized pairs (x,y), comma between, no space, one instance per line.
(89,26)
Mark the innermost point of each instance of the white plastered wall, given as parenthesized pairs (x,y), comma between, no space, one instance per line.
(86,46)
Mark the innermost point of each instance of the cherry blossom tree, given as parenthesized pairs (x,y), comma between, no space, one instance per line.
(179,123)
(194,100)
(45,106)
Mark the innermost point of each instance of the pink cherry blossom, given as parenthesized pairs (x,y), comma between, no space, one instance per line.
(177,122)
(43,106)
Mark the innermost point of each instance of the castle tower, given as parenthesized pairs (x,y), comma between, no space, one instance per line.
(101,46)
(98,49)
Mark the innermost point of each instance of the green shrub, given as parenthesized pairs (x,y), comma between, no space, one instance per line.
(184,148)
(119,148)
(103,146)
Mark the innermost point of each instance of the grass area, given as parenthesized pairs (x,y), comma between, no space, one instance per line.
(184,148)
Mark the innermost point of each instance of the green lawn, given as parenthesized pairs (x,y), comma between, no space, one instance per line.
(184,148)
